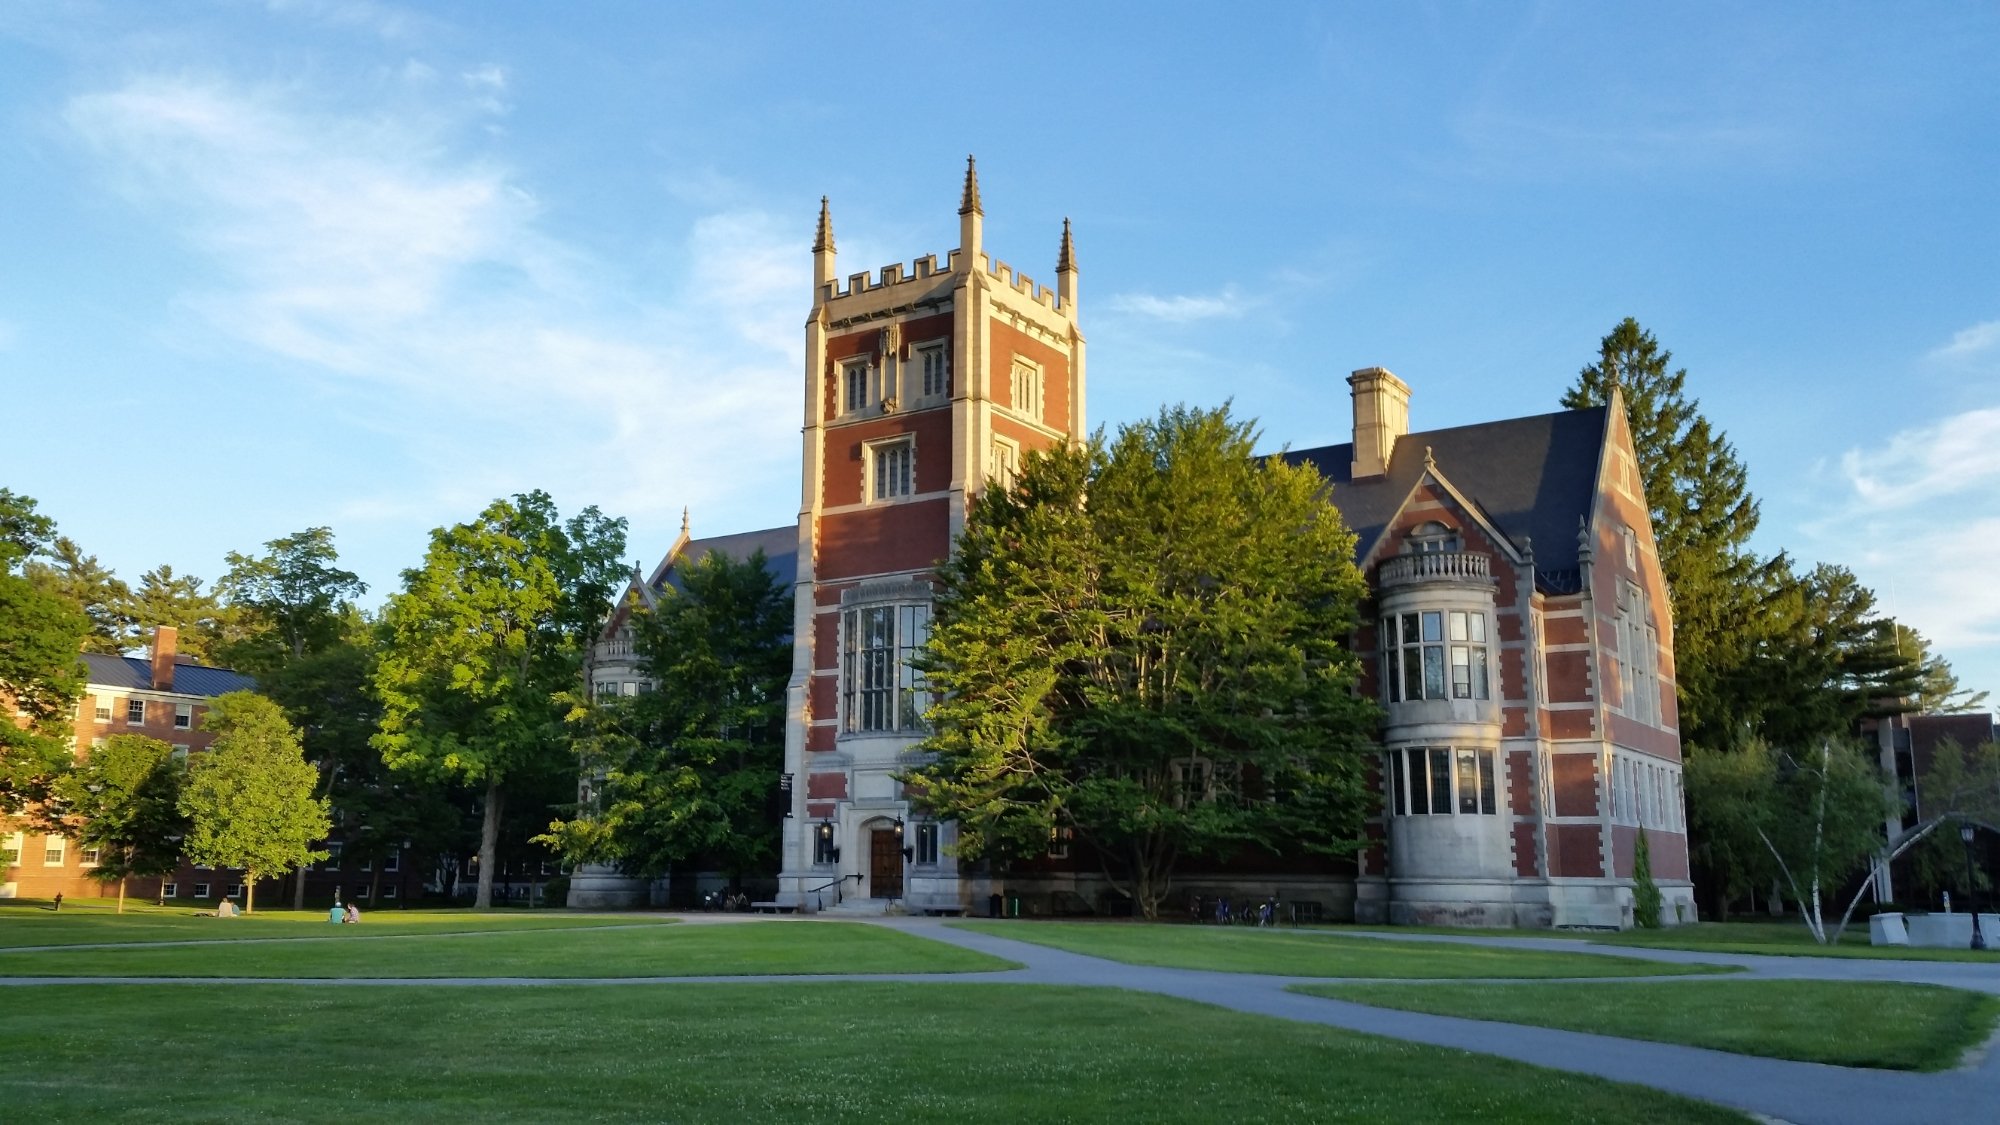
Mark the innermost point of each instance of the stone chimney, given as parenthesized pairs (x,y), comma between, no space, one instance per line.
(165,639)
(1381,415)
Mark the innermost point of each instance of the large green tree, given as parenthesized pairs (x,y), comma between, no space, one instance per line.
(41,675)
(689,769)
(290,601)
(123,799)
(484,645)
(1938,691)
(250,798)
(1143,642)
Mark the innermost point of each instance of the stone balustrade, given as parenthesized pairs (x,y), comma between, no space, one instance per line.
(1458,567)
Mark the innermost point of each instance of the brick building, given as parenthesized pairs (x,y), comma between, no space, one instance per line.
(163,695)
(1519,636)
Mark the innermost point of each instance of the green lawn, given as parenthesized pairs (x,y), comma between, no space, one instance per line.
(87,922)
(1314,953)
(1784,939)
(732,949)
(1897,1026)
(741,1052)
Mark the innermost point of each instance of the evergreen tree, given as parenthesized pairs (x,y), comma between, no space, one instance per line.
(1697,491)
(1938,691)
(1160,670)
(204,624)
(1646,898)
(249,798)
(92,588)
(484,645)
(689,769)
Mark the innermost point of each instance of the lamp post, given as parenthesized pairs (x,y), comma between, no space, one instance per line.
(1965,832)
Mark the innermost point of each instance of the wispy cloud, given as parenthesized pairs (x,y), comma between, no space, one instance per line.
(1924,465)
(359,247)
(1182,308)
(1969,342)
(1917,517)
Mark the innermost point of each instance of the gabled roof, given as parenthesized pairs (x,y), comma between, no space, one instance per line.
(134,673)
(1534,478)
(779,544)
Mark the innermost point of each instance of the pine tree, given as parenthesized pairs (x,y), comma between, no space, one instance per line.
(1703,513)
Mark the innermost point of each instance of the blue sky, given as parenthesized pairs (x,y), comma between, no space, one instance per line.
(265,266)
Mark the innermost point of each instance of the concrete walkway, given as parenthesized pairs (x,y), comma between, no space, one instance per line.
(1803,1093)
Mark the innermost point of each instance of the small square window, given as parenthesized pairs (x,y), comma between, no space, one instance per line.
(135,712)
(235,890)
(393,862)
(1006,462)
(102,710)
(927,842)
(89,857)
(170,890)
(180,751)
(10,850)
(55,850)
(1059,841)
(183,716)
(388,892)
(360,892)
(201,890)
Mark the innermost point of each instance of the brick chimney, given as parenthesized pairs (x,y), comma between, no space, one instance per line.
(1381,415)
(165,639)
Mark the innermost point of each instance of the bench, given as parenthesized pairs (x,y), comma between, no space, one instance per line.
(772,908)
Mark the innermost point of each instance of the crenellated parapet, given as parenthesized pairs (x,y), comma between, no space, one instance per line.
(926,270)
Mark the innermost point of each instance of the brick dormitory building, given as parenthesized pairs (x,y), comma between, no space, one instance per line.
(165,695)
(1519,636)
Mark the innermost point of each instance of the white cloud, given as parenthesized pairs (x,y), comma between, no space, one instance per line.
(1182,309)
(498,356)
(1920,466)
(1917,517)
(1969,342)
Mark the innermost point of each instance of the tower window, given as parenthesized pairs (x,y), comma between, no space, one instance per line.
(892,469)
(880,689)
(854,387)
(1006,462)
(1027,382)
(1427,655)
(936,371)
(1435,781)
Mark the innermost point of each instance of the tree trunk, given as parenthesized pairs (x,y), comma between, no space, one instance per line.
(249,892)
(374,883)
(121,894)
(489,845)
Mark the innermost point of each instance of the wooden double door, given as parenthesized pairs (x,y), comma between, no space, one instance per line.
(885,864)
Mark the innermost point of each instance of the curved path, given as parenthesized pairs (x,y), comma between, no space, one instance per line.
(1804,1093)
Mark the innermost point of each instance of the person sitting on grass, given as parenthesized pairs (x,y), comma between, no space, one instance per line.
(335,913)
(353,914)
(226,908)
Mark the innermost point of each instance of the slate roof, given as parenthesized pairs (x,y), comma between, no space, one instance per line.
(134,673)
(1534,478)
(779,544)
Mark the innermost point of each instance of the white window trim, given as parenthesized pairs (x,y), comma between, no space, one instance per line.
(170,890)
(1036,381)
(871,394)
(870,450)
(58,845)
(942,347)
(1005,461)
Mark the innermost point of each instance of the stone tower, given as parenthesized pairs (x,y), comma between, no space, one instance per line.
(922,386)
